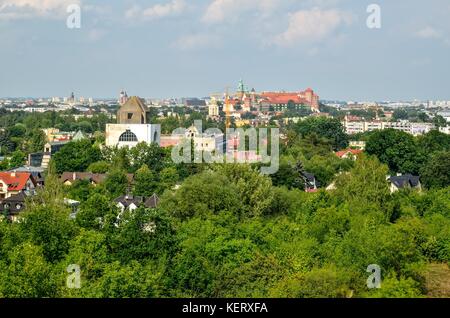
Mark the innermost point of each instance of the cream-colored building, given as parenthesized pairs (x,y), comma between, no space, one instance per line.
(354,127)
(132,127)
(213,109)
(202,141)
(129,135)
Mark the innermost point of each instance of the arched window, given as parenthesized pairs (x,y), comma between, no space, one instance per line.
(128,136)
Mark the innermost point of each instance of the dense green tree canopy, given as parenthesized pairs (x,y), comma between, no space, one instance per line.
(145,182)
(225,230)
(436,172)
(328,128)
(76,156)
(397,149)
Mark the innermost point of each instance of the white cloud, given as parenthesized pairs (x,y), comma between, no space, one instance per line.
(428,33)
(157,11)
(312,26)
(197,41)
(23,9)
(222,10)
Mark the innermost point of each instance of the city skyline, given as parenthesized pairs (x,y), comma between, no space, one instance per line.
(85,98)
(173,48)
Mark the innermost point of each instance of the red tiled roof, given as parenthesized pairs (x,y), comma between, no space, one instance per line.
(342,153)
(16,181)
(285,97)
(353,118)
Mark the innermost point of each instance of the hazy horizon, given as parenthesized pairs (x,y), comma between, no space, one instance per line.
(164,48)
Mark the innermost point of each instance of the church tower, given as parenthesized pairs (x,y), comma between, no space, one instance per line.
(123,97)
(133,111)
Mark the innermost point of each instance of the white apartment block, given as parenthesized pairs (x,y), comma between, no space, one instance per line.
(442,103)
(354,127)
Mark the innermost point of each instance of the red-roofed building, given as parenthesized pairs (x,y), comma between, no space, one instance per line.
(281,100)
(12,183)
(349,153)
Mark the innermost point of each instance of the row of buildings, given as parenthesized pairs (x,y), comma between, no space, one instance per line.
(132,128)
(245,100)
(354,125)
(16,188)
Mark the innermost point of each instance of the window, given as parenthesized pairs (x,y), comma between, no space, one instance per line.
(18,206)
(130,115)
(128,136)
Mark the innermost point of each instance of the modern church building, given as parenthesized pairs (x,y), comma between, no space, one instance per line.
(132,127)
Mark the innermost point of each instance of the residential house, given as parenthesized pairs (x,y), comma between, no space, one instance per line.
(13,182)
(42,159)
(406,181)
(349,154)
(36,172)
(13,205)
(130,202)
(68,178)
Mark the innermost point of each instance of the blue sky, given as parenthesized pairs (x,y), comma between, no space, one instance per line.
(174,48)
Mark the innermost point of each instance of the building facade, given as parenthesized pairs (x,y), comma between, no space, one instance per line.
(129,135)
(12,183)
(132,127)
(359,126)
(133,111)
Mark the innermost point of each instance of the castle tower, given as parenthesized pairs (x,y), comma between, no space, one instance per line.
(312,99)
(241,90)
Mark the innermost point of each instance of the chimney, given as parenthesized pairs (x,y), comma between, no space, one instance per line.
(74,176)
